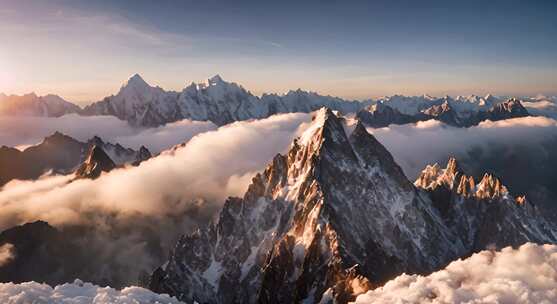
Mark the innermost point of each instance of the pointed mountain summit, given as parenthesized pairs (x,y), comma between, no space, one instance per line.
(96,163)
(136,80)
(333,216)
(135,85)
(214,100)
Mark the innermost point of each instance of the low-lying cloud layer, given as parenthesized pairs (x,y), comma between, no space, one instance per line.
(145,208)
(162,198)
(416,145)
(525,275)
(78,293)
(24,131)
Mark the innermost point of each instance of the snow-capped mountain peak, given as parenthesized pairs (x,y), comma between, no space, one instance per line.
(136,81)
(331,214)
(433,177)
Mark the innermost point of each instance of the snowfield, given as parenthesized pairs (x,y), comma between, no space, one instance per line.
(78,293)
(524,275)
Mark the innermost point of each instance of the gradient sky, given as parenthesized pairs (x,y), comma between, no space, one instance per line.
(84,50)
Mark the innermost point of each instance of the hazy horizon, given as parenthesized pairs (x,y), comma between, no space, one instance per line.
(88,102)
(83,51)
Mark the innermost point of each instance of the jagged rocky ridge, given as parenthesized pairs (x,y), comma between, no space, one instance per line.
(222,102)
(96,163)
(328,220)
(483,214)
(216,100)
(61,154)
(385,113)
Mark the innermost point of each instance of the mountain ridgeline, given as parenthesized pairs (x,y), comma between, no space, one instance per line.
(216,100)
(61,154)
(446,110)
(223,102)
(336,216)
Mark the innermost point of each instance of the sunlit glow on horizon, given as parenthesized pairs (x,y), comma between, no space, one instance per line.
(85,55)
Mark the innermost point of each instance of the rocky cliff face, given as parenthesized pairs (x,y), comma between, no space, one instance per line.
(336,216)
(329,219)
(96,163)
(483,214)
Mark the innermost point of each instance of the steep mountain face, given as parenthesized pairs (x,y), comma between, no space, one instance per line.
(336,216)
(512,108)
(57,255)
(138,103)
(333,216)
(444,113)
(454,112)
(119,154)
(483,214)
(33,105)
(37,249)
(531,173)
(96,163)
(60,153)
(216,100)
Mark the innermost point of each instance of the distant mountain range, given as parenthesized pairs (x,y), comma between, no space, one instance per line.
(62,154)
(223,102)
(33,105)
(335,216)
(456,113)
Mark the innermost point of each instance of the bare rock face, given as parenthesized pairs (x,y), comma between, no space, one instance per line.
(96,163)
(483,214)
(333,216)
(330,219)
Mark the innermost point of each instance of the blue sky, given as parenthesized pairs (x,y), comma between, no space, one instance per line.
(84,50)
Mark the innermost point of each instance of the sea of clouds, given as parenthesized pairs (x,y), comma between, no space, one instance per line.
(185,187)
(415,145)
(524,275)
(169,195)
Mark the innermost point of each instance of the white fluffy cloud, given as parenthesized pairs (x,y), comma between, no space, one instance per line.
(24,131)
(209,166)
(78,293)
(168,195)
(525,275)
(415,145)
